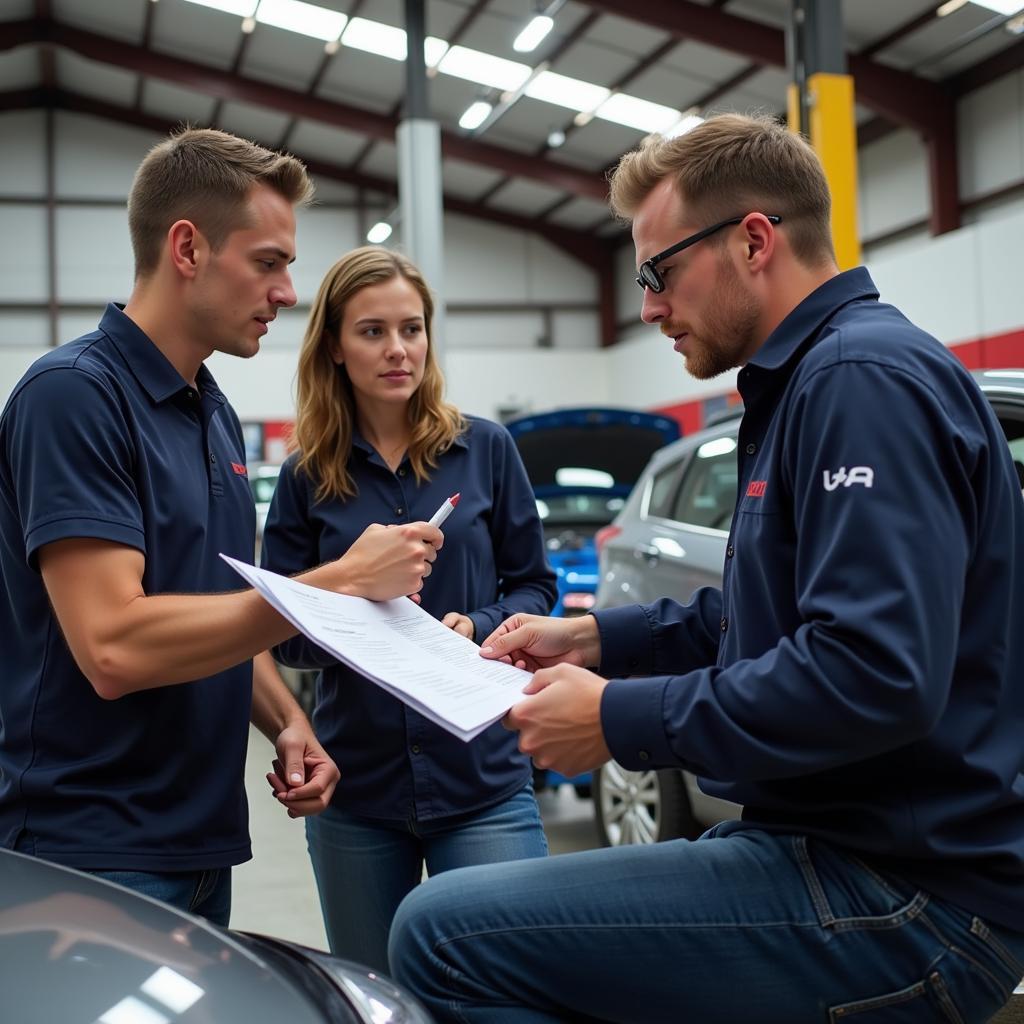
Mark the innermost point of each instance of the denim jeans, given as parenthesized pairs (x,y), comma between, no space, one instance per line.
(203,893)
(778,929)
(364,868)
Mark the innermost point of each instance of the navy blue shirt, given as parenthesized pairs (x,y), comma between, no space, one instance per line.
(395,764)
(860,676)
(102,438)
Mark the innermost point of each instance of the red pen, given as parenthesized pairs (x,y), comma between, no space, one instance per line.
(444,511)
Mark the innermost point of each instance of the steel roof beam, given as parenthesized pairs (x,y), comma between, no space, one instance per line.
(226,86)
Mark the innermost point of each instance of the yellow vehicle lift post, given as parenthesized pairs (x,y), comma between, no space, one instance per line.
(821,106)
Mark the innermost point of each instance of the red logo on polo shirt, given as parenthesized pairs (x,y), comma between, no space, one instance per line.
(756,488)
(239,469)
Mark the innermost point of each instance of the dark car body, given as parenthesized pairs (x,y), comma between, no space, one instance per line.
(668,540)
(75,949)
(582,464)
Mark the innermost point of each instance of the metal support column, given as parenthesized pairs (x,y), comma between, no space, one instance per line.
(821,105)
(419,173)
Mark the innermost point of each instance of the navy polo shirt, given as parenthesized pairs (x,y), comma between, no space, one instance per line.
(860,676)
(103,438)
(395,764)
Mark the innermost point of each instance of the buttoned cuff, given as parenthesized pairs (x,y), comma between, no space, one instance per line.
(633,723)
(627,641)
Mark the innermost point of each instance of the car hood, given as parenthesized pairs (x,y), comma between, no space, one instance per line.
(76,949)
(615,442)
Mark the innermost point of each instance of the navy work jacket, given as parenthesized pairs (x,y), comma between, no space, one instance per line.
(860,676)
(102,438)
(395,764)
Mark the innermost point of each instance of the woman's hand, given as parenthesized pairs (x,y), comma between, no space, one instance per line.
(462,624)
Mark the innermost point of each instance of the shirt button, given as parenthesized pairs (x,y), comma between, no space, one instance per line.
(401,472)
(730,551)
(399,510)
(213,458)
(751,449)
(725,625)
(644,756)
(415,748)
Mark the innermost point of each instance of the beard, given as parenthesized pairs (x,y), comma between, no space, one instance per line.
(728,330)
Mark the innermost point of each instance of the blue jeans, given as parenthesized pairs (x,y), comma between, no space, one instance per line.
(203,893)
(364,868)
(780,929)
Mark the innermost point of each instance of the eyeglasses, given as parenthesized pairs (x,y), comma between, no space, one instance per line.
(648,276)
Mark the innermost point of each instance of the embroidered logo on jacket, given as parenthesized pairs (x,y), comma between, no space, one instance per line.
(239,469)
(756,488)
(863,475)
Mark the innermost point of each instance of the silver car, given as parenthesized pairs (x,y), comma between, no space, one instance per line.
(669,539)
(75,949)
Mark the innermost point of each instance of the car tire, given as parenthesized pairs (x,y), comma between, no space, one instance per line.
(637,808)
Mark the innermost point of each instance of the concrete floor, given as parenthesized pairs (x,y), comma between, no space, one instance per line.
(274,893)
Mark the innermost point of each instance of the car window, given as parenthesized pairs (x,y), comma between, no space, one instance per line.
(1013,426)
(707,496)
(663,490)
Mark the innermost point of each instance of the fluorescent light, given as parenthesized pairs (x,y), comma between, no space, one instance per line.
(307,19)
(556,138)
(483,68)
(1001,6)
(248,26)
(949,7)
(380,232)
(475,115)
(375,37)
(637,113)
(566,92)
(133,1011)
(433,50)
(243,8)
(531,36)
(688,123)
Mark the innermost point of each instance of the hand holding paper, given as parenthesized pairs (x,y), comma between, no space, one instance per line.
(401,648)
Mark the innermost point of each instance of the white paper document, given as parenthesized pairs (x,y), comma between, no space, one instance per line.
(401,648)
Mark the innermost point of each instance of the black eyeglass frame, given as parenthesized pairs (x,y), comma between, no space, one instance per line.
(647,273)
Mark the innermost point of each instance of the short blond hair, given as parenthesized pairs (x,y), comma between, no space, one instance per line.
(326,404)
(733,164)
(204,176)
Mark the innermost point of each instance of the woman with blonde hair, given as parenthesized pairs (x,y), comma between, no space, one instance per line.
(375,442)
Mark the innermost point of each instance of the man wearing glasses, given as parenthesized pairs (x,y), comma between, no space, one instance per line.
(857,683)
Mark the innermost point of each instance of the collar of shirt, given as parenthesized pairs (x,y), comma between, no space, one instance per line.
(148,364)
(359,443)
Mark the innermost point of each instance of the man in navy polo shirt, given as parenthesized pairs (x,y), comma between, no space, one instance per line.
(122,479)
(857,683)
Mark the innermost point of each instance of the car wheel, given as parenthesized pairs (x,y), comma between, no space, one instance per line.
(635,808)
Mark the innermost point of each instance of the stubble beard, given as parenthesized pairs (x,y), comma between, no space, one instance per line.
(728,330)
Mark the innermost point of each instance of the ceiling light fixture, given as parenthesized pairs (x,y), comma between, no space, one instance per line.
(248,26)
(306,19)
(687,123)
(634,112)
(483,68)
(566,92)
(556,138)
(534,33)
(949,7)
(375,37)
(1002,6)
(243,8)
(475,115)
(380,232)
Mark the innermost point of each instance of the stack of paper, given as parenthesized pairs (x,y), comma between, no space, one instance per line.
(401,648)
